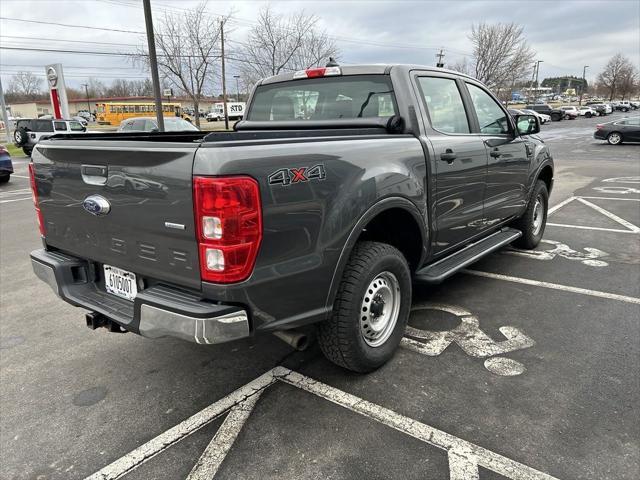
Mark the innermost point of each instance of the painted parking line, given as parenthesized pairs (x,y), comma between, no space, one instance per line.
(465,458)
(630,227)
(15,200)
(554,286)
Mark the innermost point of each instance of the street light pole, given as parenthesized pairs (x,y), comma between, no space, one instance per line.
(86,91)
(538,62)
(237,88)
(584,72)
(153,63)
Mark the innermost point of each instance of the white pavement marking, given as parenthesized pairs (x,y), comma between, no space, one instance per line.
(15,200)
(613,198)
(467,456)
(623,180)
(163,441)
(505,367)
(553,209)
(620,190)
(19,176)
(554,286)
(221,443)
(610,215)
(17,191)
(467,335)
(562,250)
(582,227)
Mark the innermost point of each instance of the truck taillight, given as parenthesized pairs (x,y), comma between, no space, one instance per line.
(228,216)
(36,199)
(318,72)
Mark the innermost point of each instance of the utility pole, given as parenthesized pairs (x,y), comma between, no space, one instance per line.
(86,91)
(5,116)
(237,77)
(153,63)
(584,72)
(440,56)
(224,82)
(538,62)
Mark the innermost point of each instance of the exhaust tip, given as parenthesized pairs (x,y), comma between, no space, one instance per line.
(298,340)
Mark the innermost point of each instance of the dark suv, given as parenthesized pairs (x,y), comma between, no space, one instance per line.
(30,131)
(555,113)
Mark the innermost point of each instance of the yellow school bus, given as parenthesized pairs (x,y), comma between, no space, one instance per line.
(113,113)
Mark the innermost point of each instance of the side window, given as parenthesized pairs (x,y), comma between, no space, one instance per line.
(60,126)
(444,104)
(45,126)
(491,117)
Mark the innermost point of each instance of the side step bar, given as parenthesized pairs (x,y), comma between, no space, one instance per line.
(440,270)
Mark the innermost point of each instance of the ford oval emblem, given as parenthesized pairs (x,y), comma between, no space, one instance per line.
(96,205)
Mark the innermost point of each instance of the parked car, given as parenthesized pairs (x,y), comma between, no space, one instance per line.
(29,132)
(587,111)
(290,221)
(555,113)
(150,124)
(87,115)
(619,131)
(542,117)
(602,108)
(214,117)
(635,105)
(570,112)
(83,121)
(6,166)
(621,106)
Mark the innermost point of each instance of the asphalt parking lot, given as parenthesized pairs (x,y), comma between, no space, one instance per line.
(525,366)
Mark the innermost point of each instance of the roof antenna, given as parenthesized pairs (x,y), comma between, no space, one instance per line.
(332,63)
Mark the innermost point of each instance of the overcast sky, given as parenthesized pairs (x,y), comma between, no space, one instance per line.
(565,34)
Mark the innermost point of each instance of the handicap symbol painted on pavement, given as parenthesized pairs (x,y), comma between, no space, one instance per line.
(593,257)
(470,338)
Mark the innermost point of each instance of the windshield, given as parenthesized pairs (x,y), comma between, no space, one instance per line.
(327,98)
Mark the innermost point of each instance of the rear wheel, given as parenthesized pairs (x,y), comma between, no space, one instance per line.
(371,309)
(614,138)
(588,115)
(555,117)
(20,137)
(5,178)
(27,151)
(534,220)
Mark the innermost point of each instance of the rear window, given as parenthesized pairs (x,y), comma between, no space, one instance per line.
(327,98)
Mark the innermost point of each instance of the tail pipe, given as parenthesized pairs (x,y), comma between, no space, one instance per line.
(297,340)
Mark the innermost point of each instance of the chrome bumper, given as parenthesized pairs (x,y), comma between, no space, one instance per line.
(158,311)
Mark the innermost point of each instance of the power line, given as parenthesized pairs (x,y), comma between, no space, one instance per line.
(70,41)
(71,26)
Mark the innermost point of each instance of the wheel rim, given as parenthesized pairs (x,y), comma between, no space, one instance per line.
(18,136)
(379,309)
(538,216)
(614,138)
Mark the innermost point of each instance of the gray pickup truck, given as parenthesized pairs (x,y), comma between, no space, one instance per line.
(341,187)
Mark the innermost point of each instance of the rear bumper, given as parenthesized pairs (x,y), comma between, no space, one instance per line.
(157,311)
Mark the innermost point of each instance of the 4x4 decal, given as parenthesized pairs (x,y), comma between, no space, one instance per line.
(287,176)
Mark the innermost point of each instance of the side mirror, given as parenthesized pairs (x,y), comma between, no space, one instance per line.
(527,124)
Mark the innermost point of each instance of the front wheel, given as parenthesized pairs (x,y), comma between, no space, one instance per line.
(371,309)
(588,114)
(614,138)
(534,220)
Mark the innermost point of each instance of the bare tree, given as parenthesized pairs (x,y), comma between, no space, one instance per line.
(501,55)
(187,45)
(282,43)
(26,85)
(618,76)
(461,66)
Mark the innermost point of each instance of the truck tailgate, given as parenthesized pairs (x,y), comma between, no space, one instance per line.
(149,228)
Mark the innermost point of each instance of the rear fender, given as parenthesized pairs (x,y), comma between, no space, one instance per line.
(379,207)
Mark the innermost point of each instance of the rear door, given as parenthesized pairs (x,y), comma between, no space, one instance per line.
(149,226)
(460,160)
(508,154)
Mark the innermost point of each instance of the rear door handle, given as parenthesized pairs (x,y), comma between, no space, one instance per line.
(448,156)
(495,153)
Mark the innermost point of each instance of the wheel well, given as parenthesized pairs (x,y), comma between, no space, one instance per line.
(546,175)
(399,228)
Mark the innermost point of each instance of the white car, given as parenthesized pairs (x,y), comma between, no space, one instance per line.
(587,112)
(542,117)
(213,117)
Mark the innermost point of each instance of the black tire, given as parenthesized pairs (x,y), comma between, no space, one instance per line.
(20,137)
(5,178)
(27,151)
(341,338)
(531,233)
(556,117)
(625,109)
(614,138)
(567,117)
(588,115)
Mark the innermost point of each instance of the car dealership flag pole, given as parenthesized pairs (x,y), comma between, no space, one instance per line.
(153,63)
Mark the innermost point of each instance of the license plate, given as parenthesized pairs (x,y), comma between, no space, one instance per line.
(120,282)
